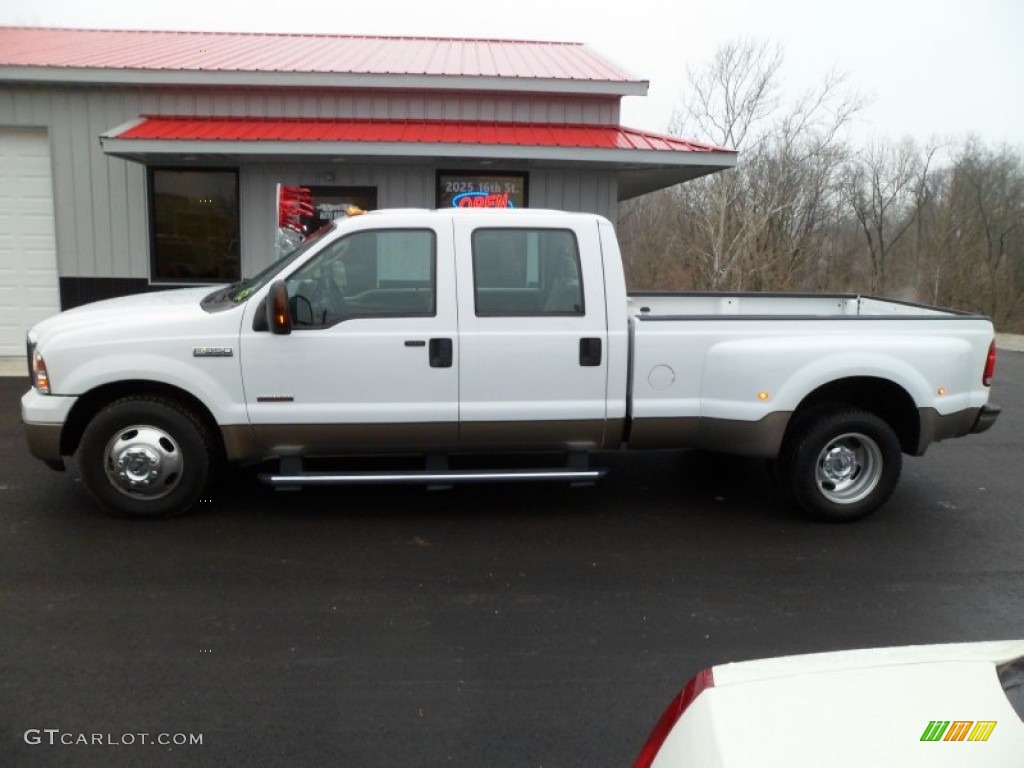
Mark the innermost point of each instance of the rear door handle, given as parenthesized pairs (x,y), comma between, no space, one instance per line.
(440,353)
(590,352)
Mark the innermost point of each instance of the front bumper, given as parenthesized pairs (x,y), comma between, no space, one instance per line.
(43,417)
(44,444)
(986,418)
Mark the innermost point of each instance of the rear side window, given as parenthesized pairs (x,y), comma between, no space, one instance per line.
(527,272)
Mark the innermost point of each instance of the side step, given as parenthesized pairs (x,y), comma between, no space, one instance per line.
(431,477)
(435,476)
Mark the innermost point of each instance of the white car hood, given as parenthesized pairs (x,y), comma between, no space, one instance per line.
(998,652)
(853,709)
(130,317)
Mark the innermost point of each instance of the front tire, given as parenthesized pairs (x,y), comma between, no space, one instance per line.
(146,456)
(841,463)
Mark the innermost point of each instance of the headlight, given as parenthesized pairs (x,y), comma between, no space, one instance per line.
(37,370)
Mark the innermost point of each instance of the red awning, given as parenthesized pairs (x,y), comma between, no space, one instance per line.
(641,161)
(252,129)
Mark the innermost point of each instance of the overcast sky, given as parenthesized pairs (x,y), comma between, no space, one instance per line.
(932,68)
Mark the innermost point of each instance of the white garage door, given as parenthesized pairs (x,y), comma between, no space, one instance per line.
(28,253)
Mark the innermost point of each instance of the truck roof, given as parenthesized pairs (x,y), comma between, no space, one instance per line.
(478,211)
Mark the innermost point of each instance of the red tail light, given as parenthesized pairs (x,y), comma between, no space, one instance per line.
(990,365)
(669,718)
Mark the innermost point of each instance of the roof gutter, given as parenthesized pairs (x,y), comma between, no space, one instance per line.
(292,79)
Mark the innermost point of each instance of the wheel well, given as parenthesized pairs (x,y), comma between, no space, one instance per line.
(881,397)
(92,402)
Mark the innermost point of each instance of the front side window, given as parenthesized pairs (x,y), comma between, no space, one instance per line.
(194,215)
(526,272)
(373,273)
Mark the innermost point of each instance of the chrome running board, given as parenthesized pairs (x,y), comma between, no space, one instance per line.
(432,477)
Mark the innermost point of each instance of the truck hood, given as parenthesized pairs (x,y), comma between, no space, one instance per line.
(152,336)
(136,317)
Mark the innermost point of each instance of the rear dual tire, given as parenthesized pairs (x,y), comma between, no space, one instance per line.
(840,464)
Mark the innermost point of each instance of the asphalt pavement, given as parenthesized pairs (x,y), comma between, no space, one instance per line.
(486,626)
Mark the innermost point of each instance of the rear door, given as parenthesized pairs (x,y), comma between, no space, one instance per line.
(533,331)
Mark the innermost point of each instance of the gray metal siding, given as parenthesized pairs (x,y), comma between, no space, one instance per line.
(101,206)
(575,190)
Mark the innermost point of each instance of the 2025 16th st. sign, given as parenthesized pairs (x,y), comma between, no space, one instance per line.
(476,190)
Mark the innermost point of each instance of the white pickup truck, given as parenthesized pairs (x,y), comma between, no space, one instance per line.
(436,334)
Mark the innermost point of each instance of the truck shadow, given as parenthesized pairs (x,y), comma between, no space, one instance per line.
(677,483)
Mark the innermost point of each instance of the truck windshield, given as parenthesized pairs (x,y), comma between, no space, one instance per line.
(237,293)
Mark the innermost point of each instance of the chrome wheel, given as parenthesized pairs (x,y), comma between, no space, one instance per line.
(143,462)
(842,463)
(147,456)
(849,468)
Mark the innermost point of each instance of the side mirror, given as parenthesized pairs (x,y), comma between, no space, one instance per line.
(279,319)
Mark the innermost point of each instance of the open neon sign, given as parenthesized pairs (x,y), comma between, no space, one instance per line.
(481,200)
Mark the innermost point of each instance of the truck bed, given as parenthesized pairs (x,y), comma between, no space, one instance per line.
(680,306)
(724,371)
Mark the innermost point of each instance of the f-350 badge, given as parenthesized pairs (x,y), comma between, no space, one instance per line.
(213,352)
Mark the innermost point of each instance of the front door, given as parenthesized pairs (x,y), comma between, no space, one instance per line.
(372,361)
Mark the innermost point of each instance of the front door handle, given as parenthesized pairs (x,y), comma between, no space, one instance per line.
(590,352)
(440,353)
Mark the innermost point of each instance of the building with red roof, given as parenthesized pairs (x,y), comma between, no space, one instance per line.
(142,159)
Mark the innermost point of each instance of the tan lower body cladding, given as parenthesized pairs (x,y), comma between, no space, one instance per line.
(762,438)
(246,443)
(743,438)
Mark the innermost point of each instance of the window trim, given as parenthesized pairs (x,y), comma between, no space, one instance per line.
(579,270)
(151,210)
(394,316)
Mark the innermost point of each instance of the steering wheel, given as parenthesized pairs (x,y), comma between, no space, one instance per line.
(332,300)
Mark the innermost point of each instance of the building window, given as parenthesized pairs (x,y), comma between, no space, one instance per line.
(372,273)
(462,189)
(524,272)
(194,215)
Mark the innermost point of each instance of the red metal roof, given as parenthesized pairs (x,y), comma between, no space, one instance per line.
(405,132)
(237,52)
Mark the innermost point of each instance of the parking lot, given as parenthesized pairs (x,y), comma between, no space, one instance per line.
(485,626)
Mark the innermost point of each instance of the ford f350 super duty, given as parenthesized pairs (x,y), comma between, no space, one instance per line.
(443,333)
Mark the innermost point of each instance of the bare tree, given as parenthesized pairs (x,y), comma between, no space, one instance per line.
(804,211)
(883,184)
(758,226)
(985,201)
(652,237)
(732,99)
